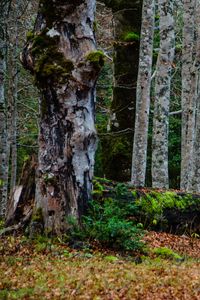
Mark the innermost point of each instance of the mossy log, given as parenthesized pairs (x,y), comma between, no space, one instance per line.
(160,210)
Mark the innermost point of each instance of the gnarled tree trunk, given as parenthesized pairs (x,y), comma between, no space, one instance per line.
(61,54)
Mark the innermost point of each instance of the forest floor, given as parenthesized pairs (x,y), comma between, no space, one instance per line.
(41,269)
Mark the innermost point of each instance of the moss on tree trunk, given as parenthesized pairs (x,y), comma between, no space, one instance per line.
(118,148)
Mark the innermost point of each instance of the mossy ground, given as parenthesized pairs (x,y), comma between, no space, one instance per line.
(44,269)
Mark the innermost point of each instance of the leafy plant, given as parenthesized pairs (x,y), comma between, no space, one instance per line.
(108,224)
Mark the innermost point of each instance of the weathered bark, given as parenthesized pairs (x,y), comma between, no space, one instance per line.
(194,184)
(188,100)
(62,56)
(162,96)
(139,160)
(117,148)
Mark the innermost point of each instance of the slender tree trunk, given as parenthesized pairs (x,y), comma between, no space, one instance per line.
(61,54)
(139,160)
(13,86)
(2,128)
(162,96)
(188,101)
(3,114)
(195,182)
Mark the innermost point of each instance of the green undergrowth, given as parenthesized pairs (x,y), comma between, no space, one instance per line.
(154,206)
(154,209)
(108,224)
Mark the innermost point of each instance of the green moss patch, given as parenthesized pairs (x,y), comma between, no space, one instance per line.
(131,36)
(50,63)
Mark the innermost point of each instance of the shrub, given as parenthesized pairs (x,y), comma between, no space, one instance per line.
(108,223)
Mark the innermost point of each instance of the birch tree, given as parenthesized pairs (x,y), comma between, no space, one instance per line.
(139,159)
(61,54)
(188,99)
(162,96)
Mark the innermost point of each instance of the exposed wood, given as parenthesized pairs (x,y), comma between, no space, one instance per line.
(22,200)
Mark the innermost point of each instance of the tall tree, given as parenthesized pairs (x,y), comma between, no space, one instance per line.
(3,115)
(139,160)
(194,184)
(12,73)
(188,99)
(162,96)
(61,54)
(117,147)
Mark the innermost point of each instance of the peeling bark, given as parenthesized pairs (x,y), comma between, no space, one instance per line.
(61,54)
(139,160)
(160,178)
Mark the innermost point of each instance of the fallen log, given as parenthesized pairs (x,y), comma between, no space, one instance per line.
(160,210)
